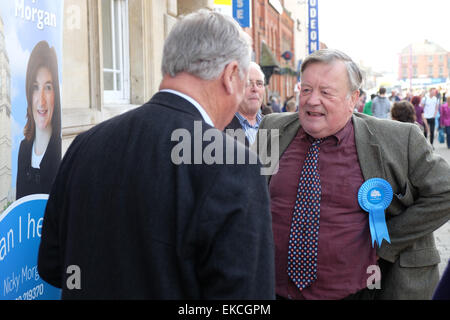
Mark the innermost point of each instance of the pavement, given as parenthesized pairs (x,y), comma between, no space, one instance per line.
(442,235)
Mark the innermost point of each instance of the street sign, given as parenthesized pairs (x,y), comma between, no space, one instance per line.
(287,55)
(241,12)
(313,25)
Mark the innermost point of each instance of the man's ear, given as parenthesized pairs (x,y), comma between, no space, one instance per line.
(229,76)
(354,98)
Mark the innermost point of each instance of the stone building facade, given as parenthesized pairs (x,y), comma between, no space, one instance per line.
(112,53)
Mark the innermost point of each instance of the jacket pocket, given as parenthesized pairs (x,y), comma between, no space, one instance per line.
(401,201)
(419,258)
(405,197)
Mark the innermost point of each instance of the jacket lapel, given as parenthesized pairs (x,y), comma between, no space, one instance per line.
(288,133)
(369,153)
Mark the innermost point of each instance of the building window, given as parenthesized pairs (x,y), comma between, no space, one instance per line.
(115,41)
(430,72)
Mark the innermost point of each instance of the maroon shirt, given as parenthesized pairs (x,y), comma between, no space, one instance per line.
(345,249)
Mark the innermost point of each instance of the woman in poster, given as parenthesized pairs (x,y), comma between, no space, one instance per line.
(40,151)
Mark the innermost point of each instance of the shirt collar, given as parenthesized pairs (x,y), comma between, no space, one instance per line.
(338,137)
(197,105)
(243,120)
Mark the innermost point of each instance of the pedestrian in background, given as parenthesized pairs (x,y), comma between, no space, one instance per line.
(415,101)
(139,223)
(315,208)
(266,109)
(284,109)
(430,111)
(361,101)
(368,106)
(291,107)
(403,111)
(381,105)
(445,120)
(275,105)
(394,97)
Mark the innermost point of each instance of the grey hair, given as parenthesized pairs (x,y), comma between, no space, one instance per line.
(257,67)
(203,43)
(328,56)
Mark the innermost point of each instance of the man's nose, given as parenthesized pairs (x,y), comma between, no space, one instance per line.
(314,98)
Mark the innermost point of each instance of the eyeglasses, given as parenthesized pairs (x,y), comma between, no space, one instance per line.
(258,83)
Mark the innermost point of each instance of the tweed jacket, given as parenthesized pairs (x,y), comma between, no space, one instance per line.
(398,153)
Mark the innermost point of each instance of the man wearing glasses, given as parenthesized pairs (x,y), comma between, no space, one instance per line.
(248,116)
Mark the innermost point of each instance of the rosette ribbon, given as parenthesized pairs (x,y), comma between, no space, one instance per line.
(374,196)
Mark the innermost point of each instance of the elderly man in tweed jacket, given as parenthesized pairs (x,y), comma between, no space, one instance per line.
(355,147)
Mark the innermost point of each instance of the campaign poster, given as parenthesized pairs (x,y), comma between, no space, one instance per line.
(30,138)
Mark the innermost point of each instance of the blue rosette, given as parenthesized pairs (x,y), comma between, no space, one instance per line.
(374,196)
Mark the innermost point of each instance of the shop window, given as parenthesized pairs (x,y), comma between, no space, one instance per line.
(115,45)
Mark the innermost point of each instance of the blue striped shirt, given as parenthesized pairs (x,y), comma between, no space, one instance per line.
(250,131)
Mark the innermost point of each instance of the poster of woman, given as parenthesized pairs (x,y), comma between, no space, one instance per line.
(30,137)
(30,45)
(40,150)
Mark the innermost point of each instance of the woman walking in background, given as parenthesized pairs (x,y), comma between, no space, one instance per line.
(445,120)
(415,101)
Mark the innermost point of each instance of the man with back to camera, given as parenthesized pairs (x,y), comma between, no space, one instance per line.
(381,106)
(324,247)
(140,226)
(248,117)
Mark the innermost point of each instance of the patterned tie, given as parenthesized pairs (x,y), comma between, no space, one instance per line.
(304,235)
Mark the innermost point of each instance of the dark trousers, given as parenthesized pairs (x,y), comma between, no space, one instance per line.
(431,124)
(447,131)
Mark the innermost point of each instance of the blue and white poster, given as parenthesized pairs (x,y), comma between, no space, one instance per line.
(20,234)
(30,136)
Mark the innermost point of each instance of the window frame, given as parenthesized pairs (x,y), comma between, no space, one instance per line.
(115,96)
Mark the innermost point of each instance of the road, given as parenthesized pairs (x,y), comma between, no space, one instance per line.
(442,235)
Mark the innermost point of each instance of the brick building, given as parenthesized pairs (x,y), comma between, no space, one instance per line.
(425,63)
(272,32)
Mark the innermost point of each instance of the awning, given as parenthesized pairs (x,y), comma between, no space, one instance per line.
(289,71)
(268,59)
